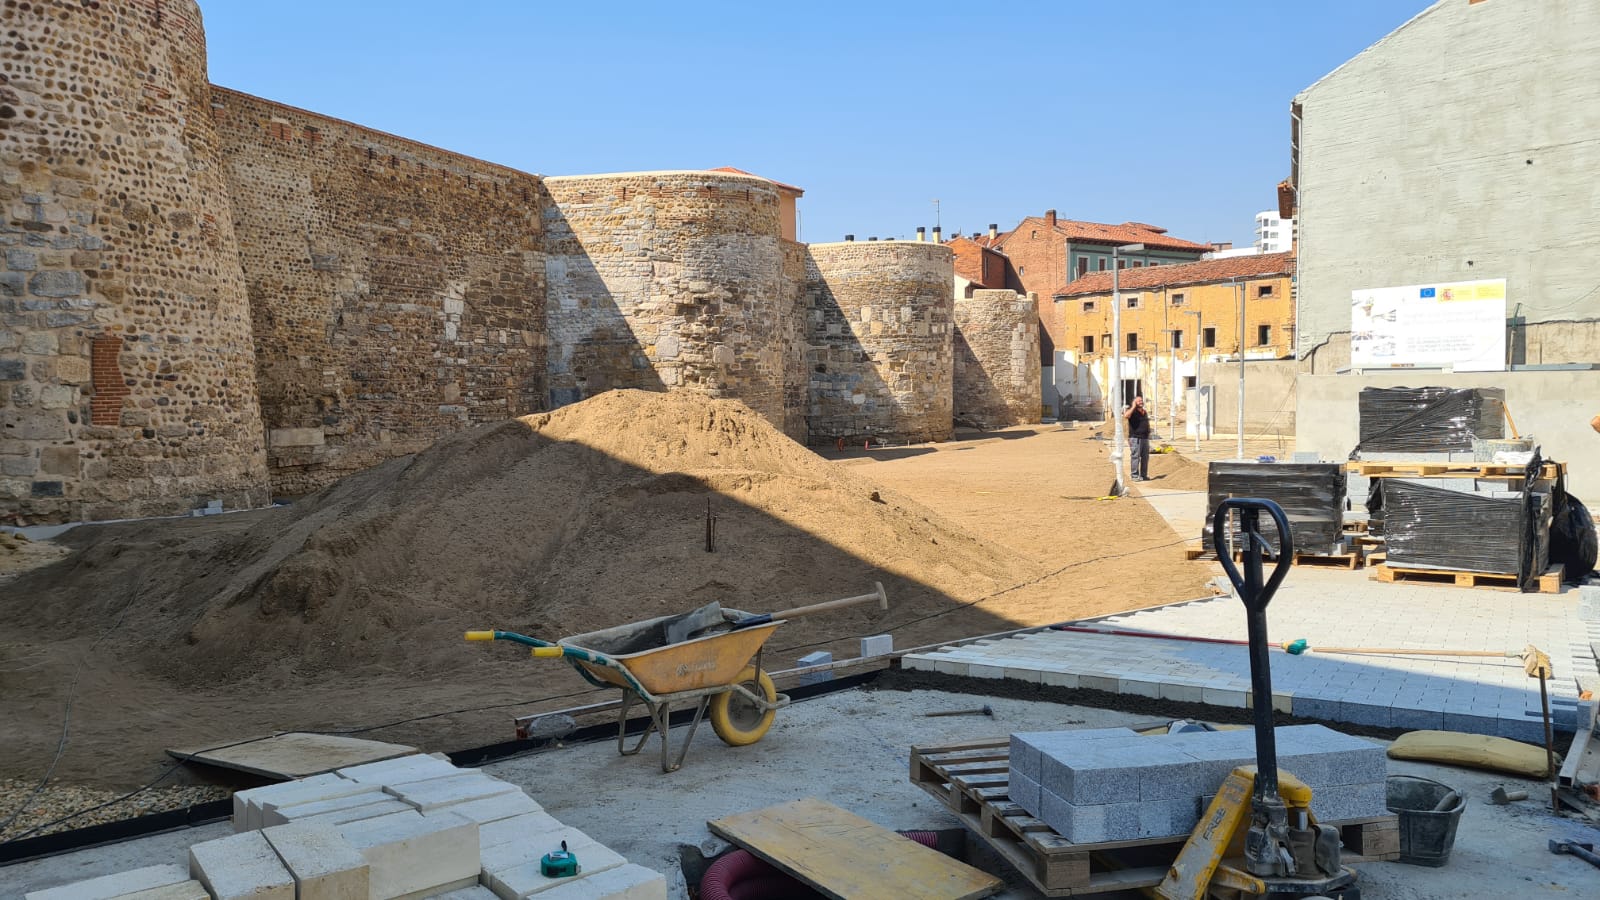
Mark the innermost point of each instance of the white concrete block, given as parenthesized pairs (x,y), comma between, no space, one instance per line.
(531,846)
(502,830)
(385,807)
(290,812)
(448,791)
(877,645)
(260,801)
(629,882)
(324,865)
(476,892)
(493,809)
(243,865)
(526,879)
(108,886)
(405,768)
(409,853)
(185,890)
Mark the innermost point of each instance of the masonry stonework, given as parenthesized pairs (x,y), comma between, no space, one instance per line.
(127,368)
(666,280)
(881,319)
(997,371)
(397,290)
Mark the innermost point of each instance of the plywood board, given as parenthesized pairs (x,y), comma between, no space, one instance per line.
(844,856)
(293,755)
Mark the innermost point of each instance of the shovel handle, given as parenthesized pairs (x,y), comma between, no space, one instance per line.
(877,594)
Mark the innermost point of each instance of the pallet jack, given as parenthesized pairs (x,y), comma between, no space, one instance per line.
(1283,853)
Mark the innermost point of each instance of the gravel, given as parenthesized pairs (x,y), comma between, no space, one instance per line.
(56,801)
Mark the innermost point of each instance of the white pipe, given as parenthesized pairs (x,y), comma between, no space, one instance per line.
(1240,444)
(1115,388)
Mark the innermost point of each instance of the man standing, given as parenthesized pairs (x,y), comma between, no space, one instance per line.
(1138,439)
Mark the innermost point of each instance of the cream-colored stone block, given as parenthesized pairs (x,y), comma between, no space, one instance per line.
(239,867)
(118,885)
(324,865)
(409,853)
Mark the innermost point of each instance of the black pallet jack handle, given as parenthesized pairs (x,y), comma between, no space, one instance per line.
(1256,594)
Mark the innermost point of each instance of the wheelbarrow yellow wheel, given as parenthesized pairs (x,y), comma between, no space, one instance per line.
(735,718)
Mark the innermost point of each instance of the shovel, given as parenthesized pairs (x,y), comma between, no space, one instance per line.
(825,606)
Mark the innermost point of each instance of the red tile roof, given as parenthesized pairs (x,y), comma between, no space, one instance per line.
(969,253)
(1101,233)
(1264,265)
(787,187)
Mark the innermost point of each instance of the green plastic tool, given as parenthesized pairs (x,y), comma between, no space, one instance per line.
(559,863)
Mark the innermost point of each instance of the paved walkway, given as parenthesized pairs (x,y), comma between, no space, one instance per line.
(1328,608)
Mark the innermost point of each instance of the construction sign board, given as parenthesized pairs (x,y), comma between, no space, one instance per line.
(1459,325)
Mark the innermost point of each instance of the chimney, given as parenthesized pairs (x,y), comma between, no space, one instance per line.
(994,231)
(1050,217)
(849,237)
(873,238)
(922,233)
(938,235)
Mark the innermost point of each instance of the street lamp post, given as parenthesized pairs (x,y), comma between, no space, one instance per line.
(1115,388)
(1239,445)
(1199,335)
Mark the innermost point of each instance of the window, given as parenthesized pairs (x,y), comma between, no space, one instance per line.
(1083,266)
(1122,264)
(1264,290)
(1088,306)
(1105,341)
(1022,270)
(1137,264)
(1209,339)
(1102,263)
(1188,381)
(1088,343)
(1177,299)
(1133,302)
(1263,335)
(1033,234)
(1177,339)
(1133,341)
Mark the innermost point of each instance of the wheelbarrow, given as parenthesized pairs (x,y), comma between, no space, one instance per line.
(710,657)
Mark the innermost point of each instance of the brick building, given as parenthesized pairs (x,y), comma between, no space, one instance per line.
(1047,251)
(1162,338)
(978,267)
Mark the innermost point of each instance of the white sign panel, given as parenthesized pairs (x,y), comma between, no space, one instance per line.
(1461,325)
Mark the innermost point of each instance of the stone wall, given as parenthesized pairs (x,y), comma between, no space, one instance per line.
(127,370)
(796,333)
(397,290)
(997,375)
(666,280)
(881,345)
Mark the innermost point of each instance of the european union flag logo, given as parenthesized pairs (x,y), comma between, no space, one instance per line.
(1427,292)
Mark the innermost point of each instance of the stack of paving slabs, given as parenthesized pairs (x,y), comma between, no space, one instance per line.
(1112,784)
(1311,494)
(415,826)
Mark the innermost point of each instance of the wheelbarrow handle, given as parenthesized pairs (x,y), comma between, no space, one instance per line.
(1255,595)
(507,636)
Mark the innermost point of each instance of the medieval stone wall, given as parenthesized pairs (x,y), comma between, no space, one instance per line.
(127,369)
(397,290)
(796,334)
(881,323)
(666,280)
(997,372)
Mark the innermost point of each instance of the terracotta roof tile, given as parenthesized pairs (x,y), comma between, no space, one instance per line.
(969,255)
(1102,233)
(787,187)
(1206,270)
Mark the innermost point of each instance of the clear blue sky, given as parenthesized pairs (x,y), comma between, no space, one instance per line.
(1173,112)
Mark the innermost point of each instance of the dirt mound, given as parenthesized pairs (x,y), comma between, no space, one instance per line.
(558,523)
(1176,472)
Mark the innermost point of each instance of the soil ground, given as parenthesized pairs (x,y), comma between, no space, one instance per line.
(344,611)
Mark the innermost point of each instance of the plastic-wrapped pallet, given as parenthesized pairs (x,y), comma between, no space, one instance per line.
(1433,527)
(1312,496)
(1428,419)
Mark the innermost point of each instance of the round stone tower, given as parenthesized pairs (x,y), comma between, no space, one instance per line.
(666,281)
(127,374)
(997,368)
(881,340)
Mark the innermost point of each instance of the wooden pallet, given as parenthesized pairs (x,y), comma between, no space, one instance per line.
(1340,560)
(972,779)
(1549,582)
(1549,470)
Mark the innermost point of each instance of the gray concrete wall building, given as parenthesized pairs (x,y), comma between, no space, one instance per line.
(1462,146)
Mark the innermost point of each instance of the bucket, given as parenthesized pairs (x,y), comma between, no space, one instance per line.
(1426,832)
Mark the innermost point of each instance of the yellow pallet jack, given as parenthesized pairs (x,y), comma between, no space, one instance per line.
(1283,853)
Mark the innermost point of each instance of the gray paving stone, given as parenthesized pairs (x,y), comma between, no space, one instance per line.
(1025,793)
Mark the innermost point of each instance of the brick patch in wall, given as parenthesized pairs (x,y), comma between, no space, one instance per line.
(109,387)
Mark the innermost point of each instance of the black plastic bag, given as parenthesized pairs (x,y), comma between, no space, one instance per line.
(1573,542)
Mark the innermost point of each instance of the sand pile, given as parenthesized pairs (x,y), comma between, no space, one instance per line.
(554,524)
(1176,472)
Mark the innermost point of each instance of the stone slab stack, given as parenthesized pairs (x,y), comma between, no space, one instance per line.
(1112,784)
(415,826)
